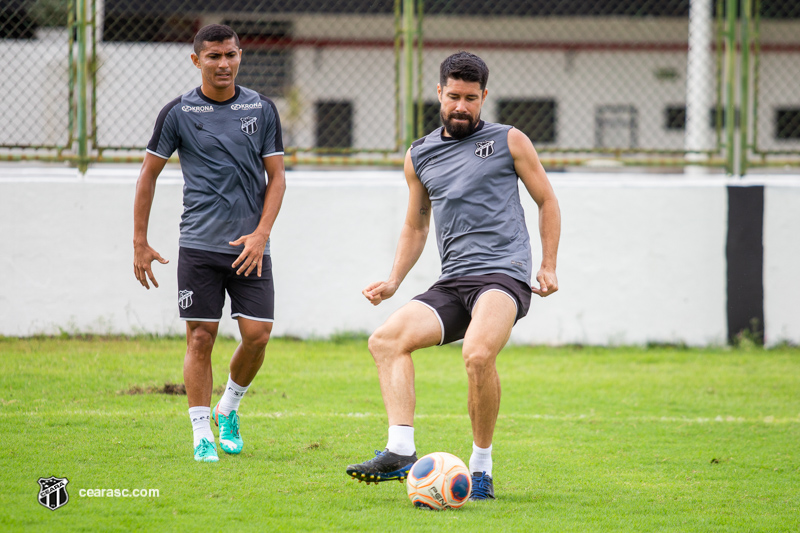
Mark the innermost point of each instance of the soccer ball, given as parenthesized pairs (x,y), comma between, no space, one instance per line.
(439,481)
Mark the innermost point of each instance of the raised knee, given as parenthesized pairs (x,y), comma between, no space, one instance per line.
(376,343)
(383,344)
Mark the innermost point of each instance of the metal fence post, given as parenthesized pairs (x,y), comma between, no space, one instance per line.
(409,29)
(70,79)
(744,87)
(398,75)
(699,95)
(730,89)
(93,22)
(755,37)
(83,152)
(418,132)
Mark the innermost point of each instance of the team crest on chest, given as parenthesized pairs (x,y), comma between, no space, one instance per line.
(484,149)
(249,125)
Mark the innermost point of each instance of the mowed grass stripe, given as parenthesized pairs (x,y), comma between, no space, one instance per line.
(717,419)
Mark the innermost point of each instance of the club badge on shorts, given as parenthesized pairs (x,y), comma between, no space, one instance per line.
(249,125)
(185,299)
(484,149)
(53,492)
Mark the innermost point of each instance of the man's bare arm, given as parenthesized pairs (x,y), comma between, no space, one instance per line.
(412,237)
(143,253)
(254,243)
(534,177)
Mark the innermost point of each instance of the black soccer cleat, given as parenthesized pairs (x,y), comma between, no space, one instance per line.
(482,487)
(385,466)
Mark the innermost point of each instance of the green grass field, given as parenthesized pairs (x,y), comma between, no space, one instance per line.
(589,439)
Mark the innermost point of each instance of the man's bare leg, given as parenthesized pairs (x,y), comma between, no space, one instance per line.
(198,379)
(245,364)
(410,328)
(249,355)
(197,376)
(489,330)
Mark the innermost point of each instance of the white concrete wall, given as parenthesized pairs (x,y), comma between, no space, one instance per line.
(642,258)
(781,261)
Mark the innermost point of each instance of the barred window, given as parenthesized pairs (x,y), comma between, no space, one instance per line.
(267,63)
(17,22)
(675,117)
(334,124)
(787,123)
(616,126)
(535,118)
(430,117)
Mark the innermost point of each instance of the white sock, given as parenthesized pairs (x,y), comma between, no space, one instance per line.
(481,459)
(233,395)
(201,424)
(401,440)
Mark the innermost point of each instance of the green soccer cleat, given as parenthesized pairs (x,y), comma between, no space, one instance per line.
(230,440)
(206,452)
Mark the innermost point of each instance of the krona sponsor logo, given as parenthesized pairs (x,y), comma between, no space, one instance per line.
(237,107)
(198,108)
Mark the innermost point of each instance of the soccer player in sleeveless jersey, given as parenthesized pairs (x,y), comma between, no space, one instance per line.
(466,174)
(227,136)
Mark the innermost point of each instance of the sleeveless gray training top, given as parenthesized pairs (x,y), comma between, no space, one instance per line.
(472,184)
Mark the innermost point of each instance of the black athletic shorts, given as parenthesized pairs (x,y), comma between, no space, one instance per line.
(203,278)
(453,300)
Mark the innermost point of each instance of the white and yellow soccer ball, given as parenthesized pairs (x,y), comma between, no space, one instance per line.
(439,481)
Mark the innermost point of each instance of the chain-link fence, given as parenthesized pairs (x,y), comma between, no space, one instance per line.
(634,81)
(776,68)
(585,77)
(329,67)
(35,111)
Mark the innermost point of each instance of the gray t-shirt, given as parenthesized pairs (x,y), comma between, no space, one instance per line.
(473,187)
(221,147)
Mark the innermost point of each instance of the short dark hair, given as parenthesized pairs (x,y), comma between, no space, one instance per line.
(464,66)
(214,33)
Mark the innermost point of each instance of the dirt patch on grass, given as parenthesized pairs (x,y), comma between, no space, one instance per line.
(172,389)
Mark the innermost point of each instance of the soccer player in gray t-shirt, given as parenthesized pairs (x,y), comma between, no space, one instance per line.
(227,136)
(467,173)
